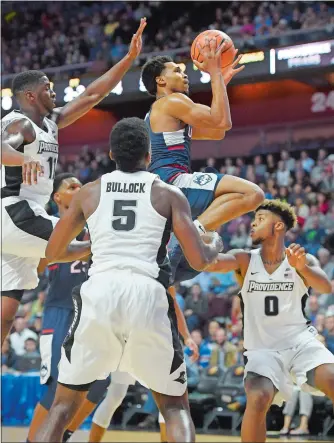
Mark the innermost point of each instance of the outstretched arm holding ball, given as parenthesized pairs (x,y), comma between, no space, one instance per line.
(212,52)
(218,116)
(218,133)
(174,120)
(228,63)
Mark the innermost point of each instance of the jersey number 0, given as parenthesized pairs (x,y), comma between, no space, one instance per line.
(126,217)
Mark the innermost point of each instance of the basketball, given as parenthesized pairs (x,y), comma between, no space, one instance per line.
(227,56)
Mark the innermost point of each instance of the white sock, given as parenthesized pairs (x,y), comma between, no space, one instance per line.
(200,228)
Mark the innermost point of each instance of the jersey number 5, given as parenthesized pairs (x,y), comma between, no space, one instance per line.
(126,218)
(271,305)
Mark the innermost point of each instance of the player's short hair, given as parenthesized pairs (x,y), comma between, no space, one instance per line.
(25,80)
(58,181)
(129,143)
(152,69)
(282,209)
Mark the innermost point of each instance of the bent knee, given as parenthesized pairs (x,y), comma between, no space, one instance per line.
(259,400)
(255,196)
(260,394)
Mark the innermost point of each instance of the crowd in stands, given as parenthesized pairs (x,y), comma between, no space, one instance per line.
(39,35)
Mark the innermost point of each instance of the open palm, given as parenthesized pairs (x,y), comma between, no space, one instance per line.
(136,42)
(229,71)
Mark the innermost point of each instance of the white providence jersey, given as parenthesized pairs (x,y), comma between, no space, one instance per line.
(273,306)
(43,149)
(125,230)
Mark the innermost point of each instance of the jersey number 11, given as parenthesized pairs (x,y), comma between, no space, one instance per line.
(52,167)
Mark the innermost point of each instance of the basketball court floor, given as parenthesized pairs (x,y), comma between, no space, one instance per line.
(11,434)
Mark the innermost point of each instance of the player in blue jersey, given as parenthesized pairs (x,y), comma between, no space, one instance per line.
(58,310)
(174,120)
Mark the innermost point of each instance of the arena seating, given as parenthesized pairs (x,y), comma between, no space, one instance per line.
(39,37)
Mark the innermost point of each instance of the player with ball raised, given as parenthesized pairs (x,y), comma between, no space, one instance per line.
(174,120)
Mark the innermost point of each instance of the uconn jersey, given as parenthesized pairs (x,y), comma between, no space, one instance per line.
(57,318)
(273,306)
(171,161)
(43,149)
(170,151)
(125,230)
(63,277)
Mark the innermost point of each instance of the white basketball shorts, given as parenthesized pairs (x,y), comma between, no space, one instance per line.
(289,367)
(25,231)
(126,322)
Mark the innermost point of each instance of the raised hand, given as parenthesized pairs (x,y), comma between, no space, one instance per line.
(211,53)
(296,256)
(136,41)
(229,71)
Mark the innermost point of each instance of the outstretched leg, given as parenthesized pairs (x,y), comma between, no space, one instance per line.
(234,197)
(176,412)
(260,393)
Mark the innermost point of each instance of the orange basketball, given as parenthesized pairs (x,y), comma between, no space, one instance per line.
(227,55)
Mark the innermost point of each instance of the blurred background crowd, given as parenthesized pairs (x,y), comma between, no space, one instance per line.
(63,33)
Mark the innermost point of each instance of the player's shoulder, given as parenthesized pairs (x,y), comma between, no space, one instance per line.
(90,187)
(88,198)
(52,121)
(18,123)
(177,97)
(241,252)
(55,115)
(241,255)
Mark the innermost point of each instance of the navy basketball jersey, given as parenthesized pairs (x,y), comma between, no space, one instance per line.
(63,277)
(170,150)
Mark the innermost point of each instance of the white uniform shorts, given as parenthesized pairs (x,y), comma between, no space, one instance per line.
(25,231)
(290,366)
(124,322)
